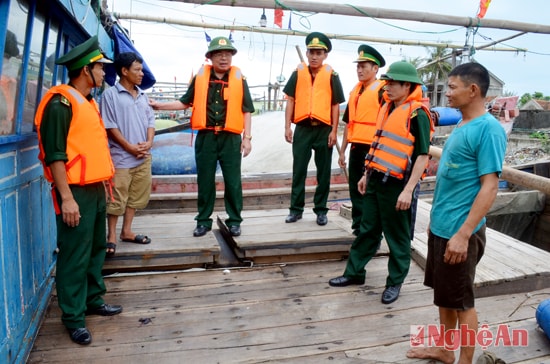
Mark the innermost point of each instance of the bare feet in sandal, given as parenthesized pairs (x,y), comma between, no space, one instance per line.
(138,239)
(111,250)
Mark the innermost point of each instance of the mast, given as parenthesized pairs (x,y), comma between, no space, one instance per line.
(363,11)
(165,20)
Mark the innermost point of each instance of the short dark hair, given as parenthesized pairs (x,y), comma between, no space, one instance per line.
(125,60)
(473,72)
(74,73)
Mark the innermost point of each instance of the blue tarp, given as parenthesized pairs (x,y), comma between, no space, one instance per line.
(123,44)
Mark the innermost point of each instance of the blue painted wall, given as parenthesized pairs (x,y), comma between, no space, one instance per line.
(27,245)
(27,219)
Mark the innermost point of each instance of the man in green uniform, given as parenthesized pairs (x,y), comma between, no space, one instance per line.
(360,117)
(222,108)
(314,93)
(70,131)
(394,166)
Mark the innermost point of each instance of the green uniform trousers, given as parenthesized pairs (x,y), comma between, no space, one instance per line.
(380,216)
(78,278)
(306,139)
(356,169)
(225,148)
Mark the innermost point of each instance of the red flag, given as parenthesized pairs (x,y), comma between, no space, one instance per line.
(483,5)
(278,19)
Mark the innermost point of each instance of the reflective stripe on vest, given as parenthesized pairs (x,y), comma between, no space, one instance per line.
(234,117)
(89,157)
(394,144)
(313,97)
(363,110)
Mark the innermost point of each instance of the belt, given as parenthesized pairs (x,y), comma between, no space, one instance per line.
(373,174)
(215,129)
(311,122)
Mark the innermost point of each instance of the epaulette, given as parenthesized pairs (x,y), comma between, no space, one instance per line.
(65,101)
(334,73)
(414,113)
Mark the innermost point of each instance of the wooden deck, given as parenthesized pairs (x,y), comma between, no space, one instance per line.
(263,297)
(283,313)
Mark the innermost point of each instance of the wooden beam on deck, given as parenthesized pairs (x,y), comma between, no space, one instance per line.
(508,265)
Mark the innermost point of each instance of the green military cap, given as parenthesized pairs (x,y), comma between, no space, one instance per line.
(83,54)
(369,54)
(317,40)
(402,71)
(220,44)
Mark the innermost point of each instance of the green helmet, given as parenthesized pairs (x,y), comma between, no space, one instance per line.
(220,44)
(402,71)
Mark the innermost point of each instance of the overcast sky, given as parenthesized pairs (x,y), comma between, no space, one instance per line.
(174,51)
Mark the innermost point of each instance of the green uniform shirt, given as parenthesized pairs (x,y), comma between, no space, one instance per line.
(335,85)
(420,128)
(54,128)
(216,105)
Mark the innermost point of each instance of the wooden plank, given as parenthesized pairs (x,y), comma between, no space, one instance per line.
(172,246)
(285,313)
(268,239)
(537,349)
(503,268)
(252,199)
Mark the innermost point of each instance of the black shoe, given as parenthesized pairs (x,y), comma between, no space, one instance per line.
(235,230)
(201,230)
(105,310)
(80,336)
(344,281)
(391,294)
(322,219)
(293,217)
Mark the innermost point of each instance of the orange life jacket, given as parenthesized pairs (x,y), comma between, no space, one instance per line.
(233,94)
(89,158)
(393,145)
(314,98)
(363,110)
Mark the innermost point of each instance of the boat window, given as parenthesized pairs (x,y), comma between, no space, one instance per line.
(33,84)
(11,67)
(53,74)
(33,33)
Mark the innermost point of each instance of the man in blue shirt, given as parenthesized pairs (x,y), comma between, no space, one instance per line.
(466,187)
(130,124)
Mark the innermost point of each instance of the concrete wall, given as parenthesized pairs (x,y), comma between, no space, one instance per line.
(532,119)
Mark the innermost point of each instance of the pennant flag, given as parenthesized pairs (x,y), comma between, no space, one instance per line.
(483,5)
(208,39)
(278,18)
(290,21)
